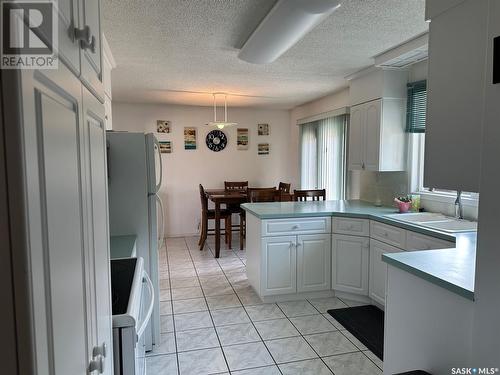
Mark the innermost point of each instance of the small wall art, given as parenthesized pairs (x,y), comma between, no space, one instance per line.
(263,149)
(189,138)
(263,129)
(166,147)
(242,139)
(163,126)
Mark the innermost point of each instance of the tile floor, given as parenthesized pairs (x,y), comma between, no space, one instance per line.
(212,322)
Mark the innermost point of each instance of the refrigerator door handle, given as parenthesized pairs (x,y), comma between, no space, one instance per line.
(150,287)
(161,165)
(162,227)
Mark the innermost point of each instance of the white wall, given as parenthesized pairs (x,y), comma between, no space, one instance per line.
(184,169)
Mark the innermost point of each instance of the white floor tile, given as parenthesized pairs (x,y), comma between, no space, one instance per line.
(240,357)
(290,349)
(202,362)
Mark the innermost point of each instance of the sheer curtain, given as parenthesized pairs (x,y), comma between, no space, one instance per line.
(308,156)
(323,156)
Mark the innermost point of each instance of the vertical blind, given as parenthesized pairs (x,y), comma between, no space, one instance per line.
(416,107)
(323,156)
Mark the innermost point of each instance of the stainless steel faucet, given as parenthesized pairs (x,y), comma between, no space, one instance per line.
(459,208)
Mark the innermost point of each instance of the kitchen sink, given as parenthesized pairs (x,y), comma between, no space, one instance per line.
(436,221)
(418,217)
(452,226)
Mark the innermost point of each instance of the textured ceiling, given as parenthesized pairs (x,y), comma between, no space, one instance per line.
(179,51)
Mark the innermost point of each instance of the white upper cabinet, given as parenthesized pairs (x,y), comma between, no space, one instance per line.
(377,140)
(456,81)
(69,48)
(91,49)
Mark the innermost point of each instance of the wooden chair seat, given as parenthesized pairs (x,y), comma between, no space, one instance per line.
(224,213)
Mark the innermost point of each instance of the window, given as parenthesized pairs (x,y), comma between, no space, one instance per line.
(415,125)
(322,156)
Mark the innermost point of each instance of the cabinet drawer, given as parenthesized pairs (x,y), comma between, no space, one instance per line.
(389,234)
(353,227)
(296,226)
(417,241)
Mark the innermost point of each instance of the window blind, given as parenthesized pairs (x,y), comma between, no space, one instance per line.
(323,158)
(416,107)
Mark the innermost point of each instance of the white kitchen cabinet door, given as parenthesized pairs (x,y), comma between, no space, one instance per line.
(91,60)
(313,262)
(458,40)
(378,269)
(52,127)
(372,141)
(377,139)
(279,266)
(356,137)
(97,203)
(350,264)
(69,47)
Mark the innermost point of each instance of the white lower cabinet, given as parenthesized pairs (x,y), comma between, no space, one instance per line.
(350,264)
(313,262)
(378,269)
(295,264)
(279,265)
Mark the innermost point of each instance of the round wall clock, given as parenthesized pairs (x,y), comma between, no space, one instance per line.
(216,140)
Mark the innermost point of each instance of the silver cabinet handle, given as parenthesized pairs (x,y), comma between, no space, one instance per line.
(97,365)
(100,350)
(86,39)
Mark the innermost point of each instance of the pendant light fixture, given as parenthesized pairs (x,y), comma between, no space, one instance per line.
(217,123)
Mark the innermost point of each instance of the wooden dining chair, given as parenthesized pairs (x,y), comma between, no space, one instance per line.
(209,214)
(315,195)
(262,195)
(237,187)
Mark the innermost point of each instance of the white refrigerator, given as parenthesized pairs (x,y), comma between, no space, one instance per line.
(134,179)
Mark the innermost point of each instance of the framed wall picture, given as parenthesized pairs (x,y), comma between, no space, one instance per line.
(242,139)
(165,147)
(263,149)
(263,129)
(163,126)
(189,138)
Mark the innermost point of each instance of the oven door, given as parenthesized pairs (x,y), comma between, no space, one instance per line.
(147,303)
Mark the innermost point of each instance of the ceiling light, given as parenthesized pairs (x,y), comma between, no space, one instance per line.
(287,23)
(217,123)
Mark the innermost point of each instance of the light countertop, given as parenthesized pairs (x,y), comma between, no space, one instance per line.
(122,246)
(453,269)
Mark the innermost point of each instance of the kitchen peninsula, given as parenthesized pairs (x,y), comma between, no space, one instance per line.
(307,249)
(353,249)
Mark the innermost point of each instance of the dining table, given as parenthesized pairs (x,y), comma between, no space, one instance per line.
(223,197)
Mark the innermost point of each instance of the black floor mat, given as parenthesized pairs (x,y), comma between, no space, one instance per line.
(366,323)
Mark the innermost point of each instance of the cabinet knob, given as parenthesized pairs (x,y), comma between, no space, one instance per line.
(295,227)
(97,365)
(100,350)
(86,39)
